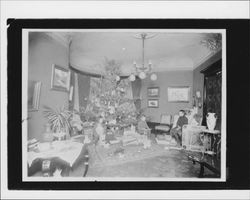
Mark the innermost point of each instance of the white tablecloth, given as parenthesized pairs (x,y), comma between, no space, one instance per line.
(65,150)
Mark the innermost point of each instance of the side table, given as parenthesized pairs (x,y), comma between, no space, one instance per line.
(211,141)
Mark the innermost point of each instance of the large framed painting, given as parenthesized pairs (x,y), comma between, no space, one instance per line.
(153,103)
(179,94)
(34,90)
(153,92)
(60,79)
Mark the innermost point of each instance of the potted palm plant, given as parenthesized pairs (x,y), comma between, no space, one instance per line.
(59,120)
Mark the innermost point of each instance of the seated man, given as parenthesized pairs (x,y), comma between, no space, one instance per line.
(176,132)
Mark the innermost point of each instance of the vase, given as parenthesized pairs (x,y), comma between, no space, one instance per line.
(211,121)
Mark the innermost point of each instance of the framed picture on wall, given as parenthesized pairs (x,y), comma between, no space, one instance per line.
(153,92)
(60,79)
(34,90)
(153,103)
(179,94)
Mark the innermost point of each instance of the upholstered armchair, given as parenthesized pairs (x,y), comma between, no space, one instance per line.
(165,124)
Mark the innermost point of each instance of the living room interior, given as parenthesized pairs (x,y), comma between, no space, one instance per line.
(103,103)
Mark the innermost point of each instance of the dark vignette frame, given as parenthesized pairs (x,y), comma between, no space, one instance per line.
(237,34)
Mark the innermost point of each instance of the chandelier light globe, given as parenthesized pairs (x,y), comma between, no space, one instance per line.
(142,75)
(132,77)
(144,69)
(153,77)
(117,78)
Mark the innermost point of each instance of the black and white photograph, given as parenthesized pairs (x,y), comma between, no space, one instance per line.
(105,128)
(153,91)
(153,103)
(125,99)
(179,94)
(60,79)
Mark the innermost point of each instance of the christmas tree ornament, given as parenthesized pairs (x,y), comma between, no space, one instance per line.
(117,78)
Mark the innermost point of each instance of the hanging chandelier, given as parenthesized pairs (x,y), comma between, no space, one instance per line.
(143,70)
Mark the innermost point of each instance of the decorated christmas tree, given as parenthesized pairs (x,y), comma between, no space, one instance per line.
(109,99)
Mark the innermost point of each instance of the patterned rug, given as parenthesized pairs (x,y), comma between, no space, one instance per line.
(116,154)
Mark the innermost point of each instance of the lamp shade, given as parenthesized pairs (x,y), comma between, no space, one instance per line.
(132,77)
(142,75)
(153,77)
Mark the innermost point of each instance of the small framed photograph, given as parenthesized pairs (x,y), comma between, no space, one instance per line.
(153,92)
(60,79)
(34,90)
(179,94)
(153,103)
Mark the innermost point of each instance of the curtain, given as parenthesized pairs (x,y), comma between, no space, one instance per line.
(83,90)
(136,90)
(71,90)
(94,88)
(76,94)
(213,97)
(129,92)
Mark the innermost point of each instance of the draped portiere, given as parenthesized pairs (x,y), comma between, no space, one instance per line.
(83,88)
(95,87)
(136,90)
(72,86)
(76,93)
(213,97)
(129,92)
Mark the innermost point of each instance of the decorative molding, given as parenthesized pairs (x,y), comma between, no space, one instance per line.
(76,70)
(210,55)
(175,69)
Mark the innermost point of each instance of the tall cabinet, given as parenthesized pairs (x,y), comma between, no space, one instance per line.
(212,91)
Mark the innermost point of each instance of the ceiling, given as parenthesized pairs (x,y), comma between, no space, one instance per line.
(166,50)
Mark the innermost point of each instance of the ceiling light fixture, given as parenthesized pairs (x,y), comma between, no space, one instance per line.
(143,70)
